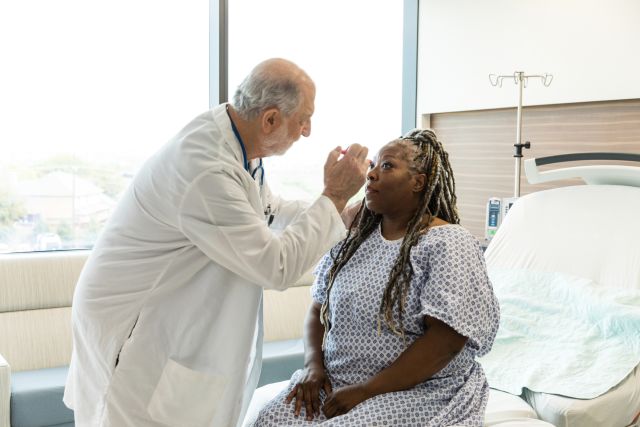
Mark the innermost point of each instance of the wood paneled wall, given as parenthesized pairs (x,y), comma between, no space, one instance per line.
(480,146)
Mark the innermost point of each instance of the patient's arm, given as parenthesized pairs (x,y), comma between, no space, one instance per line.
(307,391)
(426,356)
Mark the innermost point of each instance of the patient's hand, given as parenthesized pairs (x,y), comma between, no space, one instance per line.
(307,391)
(344,399)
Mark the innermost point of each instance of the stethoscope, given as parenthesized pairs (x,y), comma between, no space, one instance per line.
(267,213)
(245,161)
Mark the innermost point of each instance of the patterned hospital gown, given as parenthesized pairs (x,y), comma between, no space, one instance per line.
(449,283)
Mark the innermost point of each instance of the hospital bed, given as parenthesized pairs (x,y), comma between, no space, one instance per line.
(565,265)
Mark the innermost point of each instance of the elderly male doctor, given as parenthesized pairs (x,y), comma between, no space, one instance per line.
(166,325)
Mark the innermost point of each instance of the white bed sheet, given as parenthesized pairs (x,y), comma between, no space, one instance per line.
(503,409)
(588,231)
(619,407)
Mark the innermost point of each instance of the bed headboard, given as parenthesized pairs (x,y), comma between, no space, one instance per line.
(593,174)
(480,145)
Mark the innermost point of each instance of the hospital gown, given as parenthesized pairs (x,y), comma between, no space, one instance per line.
(449,283)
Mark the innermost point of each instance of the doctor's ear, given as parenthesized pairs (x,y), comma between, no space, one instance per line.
(271,120)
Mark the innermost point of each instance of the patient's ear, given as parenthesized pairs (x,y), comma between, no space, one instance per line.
(419,181)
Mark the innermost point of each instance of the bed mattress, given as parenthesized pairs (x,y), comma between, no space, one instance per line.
(507,410)
(503,409)
(619,407)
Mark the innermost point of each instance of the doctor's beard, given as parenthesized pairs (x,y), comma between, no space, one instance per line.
(278,142)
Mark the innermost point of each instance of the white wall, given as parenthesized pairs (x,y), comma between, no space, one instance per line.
(592,48)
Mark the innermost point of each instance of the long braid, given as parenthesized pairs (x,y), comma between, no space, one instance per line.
(362,226)
(437,199)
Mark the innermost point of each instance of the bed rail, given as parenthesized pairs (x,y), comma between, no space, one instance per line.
(593,174)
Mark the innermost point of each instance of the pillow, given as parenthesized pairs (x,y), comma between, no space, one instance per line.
(590,231)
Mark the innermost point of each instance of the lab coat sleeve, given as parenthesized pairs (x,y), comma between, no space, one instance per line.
(216,216)
(284,211)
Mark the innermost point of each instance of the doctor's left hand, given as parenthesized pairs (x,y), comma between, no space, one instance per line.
(344,399)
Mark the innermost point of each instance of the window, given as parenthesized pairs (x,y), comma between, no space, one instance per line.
(351,49)
(89,89)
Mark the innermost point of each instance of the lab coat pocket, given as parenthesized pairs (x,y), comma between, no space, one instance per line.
(184,397)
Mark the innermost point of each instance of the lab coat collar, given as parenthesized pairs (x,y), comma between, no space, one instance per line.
(224,124)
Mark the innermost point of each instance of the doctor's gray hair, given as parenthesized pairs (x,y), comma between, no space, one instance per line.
(261,90)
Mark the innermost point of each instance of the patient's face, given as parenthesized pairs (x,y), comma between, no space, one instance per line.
(392,188)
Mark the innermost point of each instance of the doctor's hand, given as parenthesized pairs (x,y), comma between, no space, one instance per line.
(344,399)
(344,176)
(307,392)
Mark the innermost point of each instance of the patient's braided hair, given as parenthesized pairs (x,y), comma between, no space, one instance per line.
(438,198)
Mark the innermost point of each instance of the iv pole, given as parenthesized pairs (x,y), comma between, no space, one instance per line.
(521,80)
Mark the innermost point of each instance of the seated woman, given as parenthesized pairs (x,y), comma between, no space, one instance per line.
(400,309)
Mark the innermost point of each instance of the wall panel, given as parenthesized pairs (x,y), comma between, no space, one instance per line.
(480,145)
(589,46)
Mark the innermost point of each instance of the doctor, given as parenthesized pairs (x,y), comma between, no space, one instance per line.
(167,311)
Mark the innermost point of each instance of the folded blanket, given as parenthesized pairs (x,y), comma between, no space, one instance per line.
(562,334)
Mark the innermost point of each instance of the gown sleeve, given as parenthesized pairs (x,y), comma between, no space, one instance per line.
(457,290)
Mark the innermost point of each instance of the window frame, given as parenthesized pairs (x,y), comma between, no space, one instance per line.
(219,58)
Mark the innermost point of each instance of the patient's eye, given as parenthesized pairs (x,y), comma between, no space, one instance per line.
(386,165)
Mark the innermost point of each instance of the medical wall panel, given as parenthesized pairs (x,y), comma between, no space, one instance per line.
(480,146)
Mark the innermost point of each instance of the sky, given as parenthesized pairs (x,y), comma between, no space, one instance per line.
(112,81)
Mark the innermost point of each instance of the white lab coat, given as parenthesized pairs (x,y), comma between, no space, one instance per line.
(166,328)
